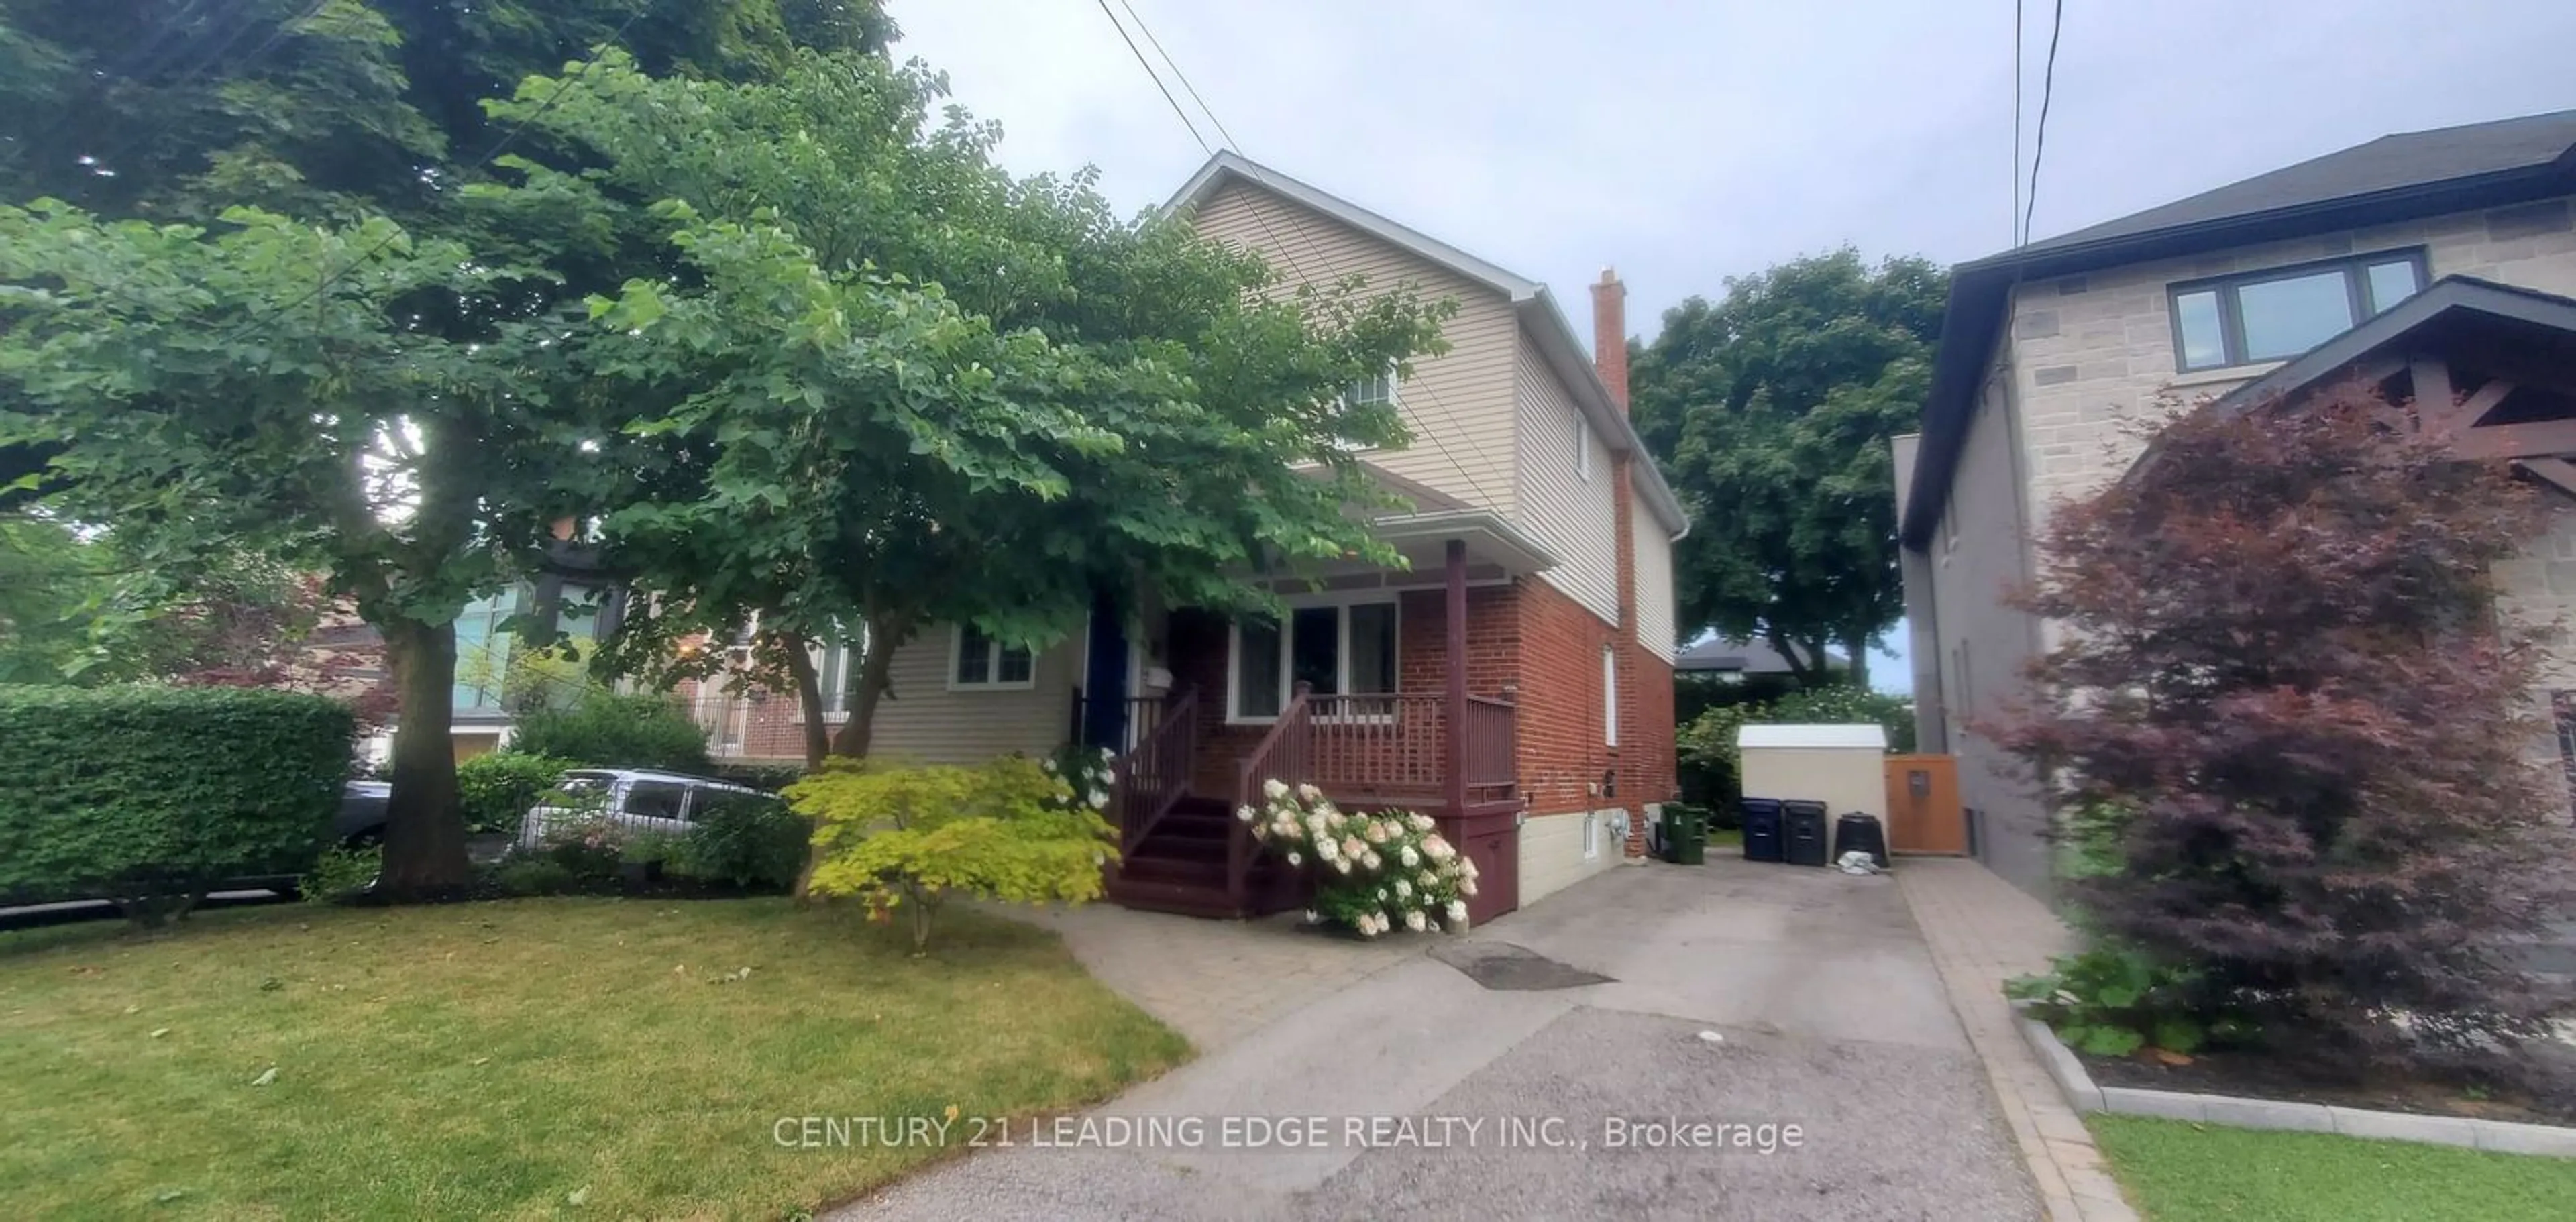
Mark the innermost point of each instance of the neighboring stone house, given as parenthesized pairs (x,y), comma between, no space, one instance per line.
(2434,264)
(1536,616)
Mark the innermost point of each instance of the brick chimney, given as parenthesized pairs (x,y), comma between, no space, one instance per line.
(1610,335)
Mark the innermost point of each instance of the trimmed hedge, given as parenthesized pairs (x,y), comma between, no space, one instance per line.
(608,730)
(496,788)
(153,795)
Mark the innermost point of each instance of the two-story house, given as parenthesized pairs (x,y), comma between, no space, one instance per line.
(1514,680)
(2436,265)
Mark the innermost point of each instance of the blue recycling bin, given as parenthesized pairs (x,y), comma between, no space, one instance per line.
(1762,830)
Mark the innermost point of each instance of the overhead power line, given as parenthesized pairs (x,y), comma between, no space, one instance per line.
(2039,139)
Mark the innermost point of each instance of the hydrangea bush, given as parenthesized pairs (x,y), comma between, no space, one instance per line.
(1087,773)
(1373,872)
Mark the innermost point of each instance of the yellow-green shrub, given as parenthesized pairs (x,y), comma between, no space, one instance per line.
(896,835)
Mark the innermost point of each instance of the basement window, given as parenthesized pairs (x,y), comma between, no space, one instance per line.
(2279,313)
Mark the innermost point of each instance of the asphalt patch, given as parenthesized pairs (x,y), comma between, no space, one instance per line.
(1504,967)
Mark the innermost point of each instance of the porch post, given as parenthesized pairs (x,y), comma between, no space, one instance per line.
(1456,754)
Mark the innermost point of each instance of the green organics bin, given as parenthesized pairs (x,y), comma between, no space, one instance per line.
(1685,834)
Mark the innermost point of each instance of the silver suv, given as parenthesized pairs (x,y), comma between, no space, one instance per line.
(631,799)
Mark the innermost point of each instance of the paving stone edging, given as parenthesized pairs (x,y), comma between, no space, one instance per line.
(2084,1096)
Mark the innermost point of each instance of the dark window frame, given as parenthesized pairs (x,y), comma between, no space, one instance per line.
(2231,311)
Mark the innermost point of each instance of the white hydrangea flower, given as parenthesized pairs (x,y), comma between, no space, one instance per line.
(1335,819)
(1421,822)
(1106,755)
(1245,813)
(1467,886)
(1375,831)
(1429,880)
(1296,858)
(1100,801)
(1309,793)
(1370,858)
(1409,857)
(1353,849)
(1341,864)
(1403,889)
(1381,895)
(1467,867)
(1457,913)
(1275,788)
(1414,922)
(1368,928)
(1048,766)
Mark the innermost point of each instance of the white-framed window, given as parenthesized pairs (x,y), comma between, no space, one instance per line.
(1372,391)
(1591,835)
(1609,696)
(977,662)
(1334,647)
(834,668)
(1582,447)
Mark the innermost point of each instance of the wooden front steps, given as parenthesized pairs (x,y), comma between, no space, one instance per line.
(1180,868)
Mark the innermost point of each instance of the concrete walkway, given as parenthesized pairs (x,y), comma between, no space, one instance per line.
(1215,981)
(1426,1093)
(1984,931)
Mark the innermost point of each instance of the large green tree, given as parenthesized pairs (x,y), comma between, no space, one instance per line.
(1772,409)
(373,388)
(887,385)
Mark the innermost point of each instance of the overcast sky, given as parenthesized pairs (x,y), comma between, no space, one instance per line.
(1689,142)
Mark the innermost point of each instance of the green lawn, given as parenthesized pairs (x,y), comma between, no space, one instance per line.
(538,1058)
(2177,1171)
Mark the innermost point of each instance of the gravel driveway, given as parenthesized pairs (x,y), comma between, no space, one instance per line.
(1420,1092)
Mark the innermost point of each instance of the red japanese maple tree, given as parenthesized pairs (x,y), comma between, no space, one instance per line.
(2288,690)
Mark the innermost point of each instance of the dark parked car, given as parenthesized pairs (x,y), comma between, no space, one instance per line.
(361,820)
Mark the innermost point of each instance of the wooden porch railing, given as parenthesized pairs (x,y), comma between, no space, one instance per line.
(1137,718)
(1285,754)
(1154,775)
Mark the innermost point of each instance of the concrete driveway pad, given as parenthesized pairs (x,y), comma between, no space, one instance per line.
(1422,1093)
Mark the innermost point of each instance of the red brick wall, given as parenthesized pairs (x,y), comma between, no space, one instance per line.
(1562,753)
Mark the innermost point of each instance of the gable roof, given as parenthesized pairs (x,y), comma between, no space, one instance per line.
(1532,303)
(2393,178)
(1729,654)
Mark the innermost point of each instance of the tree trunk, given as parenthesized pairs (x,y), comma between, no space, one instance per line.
(809,696)
(1858,647)
(424,829)
(1806,663)
(876,662)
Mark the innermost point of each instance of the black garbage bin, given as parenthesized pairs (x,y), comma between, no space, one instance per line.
(1802,833)
(1761,829)
(1857,832)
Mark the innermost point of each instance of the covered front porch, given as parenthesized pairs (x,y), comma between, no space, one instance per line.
(1384,688)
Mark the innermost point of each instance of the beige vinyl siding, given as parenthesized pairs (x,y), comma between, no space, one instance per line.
(1656,614)
(1552,852)
(924,720)
(1458,405)
(1577,518)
